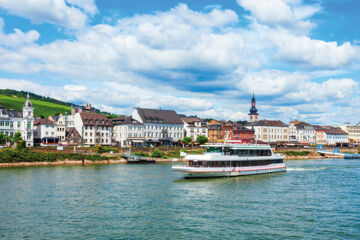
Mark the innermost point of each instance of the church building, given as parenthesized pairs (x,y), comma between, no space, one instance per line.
(253,115)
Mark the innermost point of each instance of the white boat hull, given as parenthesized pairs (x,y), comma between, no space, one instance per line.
(206,172)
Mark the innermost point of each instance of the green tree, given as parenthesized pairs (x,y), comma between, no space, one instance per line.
(16,138)
(202,139)
(186,140)
(20,145)
(157,153)
(3,138)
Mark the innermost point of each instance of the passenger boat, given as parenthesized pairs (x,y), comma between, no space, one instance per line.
(230,160)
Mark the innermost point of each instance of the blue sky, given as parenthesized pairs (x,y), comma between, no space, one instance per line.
(301,58)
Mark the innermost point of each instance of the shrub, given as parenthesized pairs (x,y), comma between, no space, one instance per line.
(105,149)
(186,140)
(202,139)
(157,153)
(295,153)
(142,154)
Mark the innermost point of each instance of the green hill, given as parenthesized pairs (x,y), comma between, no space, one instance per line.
(12,99)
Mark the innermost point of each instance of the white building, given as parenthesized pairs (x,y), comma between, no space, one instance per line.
(161,127)
(63,123)
(302,132)
(127,132)
(270,131)
(194,127)
(353,131)
(12,121)
(331,136)
(45,132)
(94,128)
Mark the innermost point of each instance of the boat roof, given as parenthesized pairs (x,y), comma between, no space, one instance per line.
(238,146)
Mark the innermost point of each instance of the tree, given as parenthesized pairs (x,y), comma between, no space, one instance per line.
(3,138)
(21,145)
(16,138)
(202,139)
(186,140)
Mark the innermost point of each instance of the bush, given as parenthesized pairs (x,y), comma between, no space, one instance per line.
(186,140)
(105,149)
(157,153)
(28,155)
(142,154)
(202,139)
(20,145)
(295,153)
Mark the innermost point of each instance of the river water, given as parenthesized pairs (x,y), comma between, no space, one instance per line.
(314,199)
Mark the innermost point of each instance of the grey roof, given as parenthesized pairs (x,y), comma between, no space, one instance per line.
(124,120)
(159,116)
(13,113)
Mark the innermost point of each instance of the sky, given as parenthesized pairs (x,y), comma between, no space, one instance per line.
(204,57)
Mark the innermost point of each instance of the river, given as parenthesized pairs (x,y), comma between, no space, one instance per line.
(314,199)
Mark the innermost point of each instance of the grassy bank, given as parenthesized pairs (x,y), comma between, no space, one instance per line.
(28,155)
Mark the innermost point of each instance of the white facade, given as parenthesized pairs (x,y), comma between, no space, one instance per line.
(302,132)
(334,139)
(353,131)
(62,124)
(157,129)
(15,121)
(45,132)
(94,128)
(270,131)
(128,133)
(194,127)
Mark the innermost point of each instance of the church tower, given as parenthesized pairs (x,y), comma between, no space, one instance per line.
(253,115)
(28,123)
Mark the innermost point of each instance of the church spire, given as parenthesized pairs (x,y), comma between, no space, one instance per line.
(253,115)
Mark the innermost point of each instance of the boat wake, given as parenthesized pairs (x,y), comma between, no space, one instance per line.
(301,169)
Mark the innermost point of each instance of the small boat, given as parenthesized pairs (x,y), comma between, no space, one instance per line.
(230,160)
(130,158)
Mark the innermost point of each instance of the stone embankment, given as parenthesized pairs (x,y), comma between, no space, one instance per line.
(63,163)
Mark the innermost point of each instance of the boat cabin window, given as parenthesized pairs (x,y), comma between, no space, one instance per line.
(233,163)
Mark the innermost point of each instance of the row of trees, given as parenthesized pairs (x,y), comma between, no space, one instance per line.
(200,140)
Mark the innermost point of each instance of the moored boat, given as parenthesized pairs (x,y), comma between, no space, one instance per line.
(230,160)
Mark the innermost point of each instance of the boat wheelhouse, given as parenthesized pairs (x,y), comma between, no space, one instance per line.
(228,160)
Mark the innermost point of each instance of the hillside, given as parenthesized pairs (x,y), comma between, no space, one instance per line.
(41,107)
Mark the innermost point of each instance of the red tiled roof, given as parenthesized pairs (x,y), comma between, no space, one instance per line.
(95,119)
(43,121)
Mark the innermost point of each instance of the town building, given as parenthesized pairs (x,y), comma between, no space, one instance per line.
(12,121)
(270,131)
(301,132)
(63,123)
(353,131)
(226,130)
(127,132)
(72,137)
(243,134)
(45,132)
(194,127)
(161,127)
(332,136)
(253,114)
(94,128)
(214,133)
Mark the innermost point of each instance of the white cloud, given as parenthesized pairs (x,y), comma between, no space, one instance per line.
(310,52)
(271,82)
(18,38)
(285,13)
(57,12)
(76,88)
